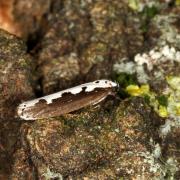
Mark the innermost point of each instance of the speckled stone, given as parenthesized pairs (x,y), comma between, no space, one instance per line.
(95,144)
(71,42)
(15,85)
(98,34)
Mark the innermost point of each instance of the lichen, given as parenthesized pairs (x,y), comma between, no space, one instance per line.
(135,90)
(154,61)
(52,175)
(169,33)
(144,91)
(167,104)
(166,168)
(78,41)
(147,7)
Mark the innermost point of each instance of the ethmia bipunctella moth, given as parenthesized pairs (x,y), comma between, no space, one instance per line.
(66,101)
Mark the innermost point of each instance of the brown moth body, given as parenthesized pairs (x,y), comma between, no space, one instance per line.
(67,101)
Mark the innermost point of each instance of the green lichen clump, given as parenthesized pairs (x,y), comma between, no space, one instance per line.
(167,104)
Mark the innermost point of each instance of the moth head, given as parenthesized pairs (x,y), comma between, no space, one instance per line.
(105,83)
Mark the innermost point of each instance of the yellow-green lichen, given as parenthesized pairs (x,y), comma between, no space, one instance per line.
(163,111)
(133,4)
(174,82)
(174,95)
(167,104)
(135,90)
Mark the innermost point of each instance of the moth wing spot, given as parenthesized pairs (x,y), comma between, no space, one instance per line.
(64,94)
(22,112)
(42,101)
(84,89)
(96,81)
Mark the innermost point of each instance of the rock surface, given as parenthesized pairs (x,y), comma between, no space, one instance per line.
(132,136)
(15,83)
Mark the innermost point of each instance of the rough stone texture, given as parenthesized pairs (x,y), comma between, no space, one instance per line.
(30,14)
(171,150)
(15,66)
(161,55)
(15,85)
(95,34)
(75,41)
(164,30)
(96,144)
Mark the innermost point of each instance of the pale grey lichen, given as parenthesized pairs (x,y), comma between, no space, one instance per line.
(166,128)
(169,34)
(167,44)
(154,58)
(140,5)
(125,67)
(158,56)
(156,164)
(174,98)
(51,175)
(156,153)
(172,166)
(173,108)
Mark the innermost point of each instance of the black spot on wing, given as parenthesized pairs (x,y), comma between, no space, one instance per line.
(65,97)
(22,111)
(84,89)
(42,101)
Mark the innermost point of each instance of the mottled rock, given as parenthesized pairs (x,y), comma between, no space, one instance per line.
(15,85)
(164,29)
(74,41)
(96,33)
(161,58)
(96,144)
(15,74)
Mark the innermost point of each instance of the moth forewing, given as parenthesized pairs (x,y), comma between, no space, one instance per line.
(66,101)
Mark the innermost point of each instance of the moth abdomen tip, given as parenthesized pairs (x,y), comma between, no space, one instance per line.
(20,111)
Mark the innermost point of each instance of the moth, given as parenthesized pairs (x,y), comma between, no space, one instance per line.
(66,101)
